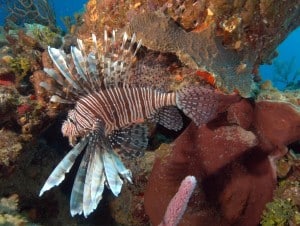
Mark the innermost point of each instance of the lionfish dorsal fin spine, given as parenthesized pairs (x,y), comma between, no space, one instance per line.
(86,66)
(116,60)
(107,65)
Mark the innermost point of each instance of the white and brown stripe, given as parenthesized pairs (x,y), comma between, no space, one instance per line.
(119,107)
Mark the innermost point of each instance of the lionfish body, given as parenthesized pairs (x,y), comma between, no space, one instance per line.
(124,106)
(108,117)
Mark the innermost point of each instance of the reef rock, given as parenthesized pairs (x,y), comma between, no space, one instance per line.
(227,39)
(202,51)
(10,148)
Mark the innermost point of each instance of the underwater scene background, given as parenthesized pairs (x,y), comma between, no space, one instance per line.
(240,167)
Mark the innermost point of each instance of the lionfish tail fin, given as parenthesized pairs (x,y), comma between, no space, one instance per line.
(202,104)
(58,174)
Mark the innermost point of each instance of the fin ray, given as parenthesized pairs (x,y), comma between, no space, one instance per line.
(169,117)
(203,104)
(58,174)
(132,140)
(112,176)
(76,200)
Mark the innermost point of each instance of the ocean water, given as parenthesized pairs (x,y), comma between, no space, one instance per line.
(284,72)
(61,8)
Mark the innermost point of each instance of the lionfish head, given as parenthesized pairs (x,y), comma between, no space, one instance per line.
(69,128)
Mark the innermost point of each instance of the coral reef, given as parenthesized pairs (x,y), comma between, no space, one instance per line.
(43,35)
(285,206)
(9,212)
(20,66)
(268,92)
(128,208)
(197,50)
(72,23)
(230,154)
(30,11)
(10,148)
(235,158)
(280,212)
(220,37)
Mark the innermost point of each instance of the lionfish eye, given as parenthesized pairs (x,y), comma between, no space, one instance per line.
(70,120)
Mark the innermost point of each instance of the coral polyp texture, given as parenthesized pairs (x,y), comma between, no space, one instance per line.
(201,51)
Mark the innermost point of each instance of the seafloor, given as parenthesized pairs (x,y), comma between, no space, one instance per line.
(246,161)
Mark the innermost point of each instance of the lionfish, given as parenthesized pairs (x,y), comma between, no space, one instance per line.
(109,115)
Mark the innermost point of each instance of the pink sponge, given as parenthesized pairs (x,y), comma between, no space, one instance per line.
(179,202)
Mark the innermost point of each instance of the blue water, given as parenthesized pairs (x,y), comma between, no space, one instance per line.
(61,8)
(67,8)
(285,69)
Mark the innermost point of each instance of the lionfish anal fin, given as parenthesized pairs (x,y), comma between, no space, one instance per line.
(169,117)
(130,141)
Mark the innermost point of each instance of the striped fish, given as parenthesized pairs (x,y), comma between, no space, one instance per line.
(109,114)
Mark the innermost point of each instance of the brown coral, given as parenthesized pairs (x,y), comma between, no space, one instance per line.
(201,51)
(10,148)
(232,157)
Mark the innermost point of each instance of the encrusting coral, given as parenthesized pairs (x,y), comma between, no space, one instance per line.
(10,148)
(43,35)
(197,50)
(30,11)
(219,37)
(233,158)
(9,212)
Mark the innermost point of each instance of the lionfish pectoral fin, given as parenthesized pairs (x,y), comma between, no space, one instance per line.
(58,174)
(87,206)
(111,173)
(132,140)
(95,177)
(76,201)
(169,117)
(98,178)
(201,104)
(123,171)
